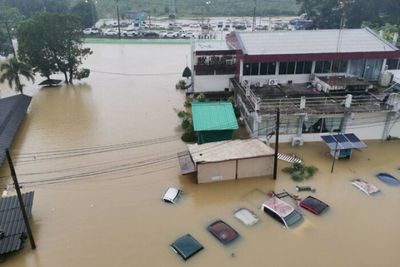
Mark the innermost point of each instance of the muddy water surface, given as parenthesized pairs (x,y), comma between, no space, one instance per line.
(100,154)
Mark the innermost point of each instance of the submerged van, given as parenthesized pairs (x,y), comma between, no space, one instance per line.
(282,212)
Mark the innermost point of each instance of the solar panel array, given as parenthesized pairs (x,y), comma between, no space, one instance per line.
(343,141)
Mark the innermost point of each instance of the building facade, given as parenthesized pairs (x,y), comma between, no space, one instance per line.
(322,81)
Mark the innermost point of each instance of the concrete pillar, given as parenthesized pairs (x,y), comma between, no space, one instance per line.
(313,67)
(345,121)
(256,121)
(241,71)
(386,130)
(384,65)
(302,118)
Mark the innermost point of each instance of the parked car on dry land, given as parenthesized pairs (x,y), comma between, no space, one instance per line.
(91,31)
(188,35)
(170,35)
(110,32)
(150,34)
(129,33)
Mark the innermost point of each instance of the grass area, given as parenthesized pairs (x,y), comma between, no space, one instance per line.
(135,41)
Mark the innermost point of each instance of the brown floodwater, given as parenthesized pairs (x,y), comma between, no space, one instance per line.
(100,154)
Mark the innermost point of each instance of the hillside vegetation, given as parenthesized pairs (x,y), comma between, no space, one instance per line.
(189,8)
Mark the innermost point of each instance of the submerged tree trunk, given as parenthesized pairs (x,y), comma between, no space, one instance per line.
(71,74)
(66,77)
(18,83)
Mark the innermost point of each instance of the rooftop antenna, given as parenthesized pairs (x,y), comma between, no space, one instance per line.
(254,16)
(342,5)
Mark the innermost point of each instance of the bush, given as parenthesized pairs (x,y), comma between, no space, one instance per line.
(187,103)
(299,172)
(188,137)
(186,124)
(180,85)
(201,97)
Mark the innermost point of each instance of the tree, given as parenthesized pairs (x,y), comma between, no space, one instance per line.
(87,13)
(29,8)
(5,46)
(52,42)
(11,71)
(327,13)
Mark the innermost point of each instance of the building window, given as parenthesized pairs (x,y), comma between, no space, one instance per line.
(323,66)
(287,67)
(303,67)
(322,125)
(282,67)
(393,64)
(267,68)
(246,69)
(254,68)
(340,66)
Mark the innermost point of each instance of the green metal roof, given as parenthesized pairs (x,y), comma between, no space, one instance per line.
(209,116)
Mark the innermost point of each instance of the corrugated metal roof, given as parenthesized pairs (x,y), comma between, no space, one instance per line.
(211,116)
(12,112)
(313,42)
(12,222)
(229,150)
(211,45)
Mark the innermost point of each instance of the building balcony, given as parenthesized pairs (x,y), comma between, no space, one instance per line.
(299,99)
(217,69)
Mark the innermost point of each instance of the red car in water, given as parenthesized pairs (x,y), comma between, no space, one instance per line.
(223,232)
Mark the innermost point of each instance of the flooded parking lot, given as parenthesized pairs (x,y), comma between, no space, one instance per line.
(100,154)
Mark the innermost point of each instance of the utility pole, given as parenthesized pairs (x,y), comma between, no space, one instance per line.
(276,143)
(254,15)
(20,200)
(119,25)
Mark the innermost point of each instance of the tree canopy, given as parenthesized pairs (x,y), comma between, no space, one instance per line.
(87,13)
(51,43)
(11,70)
(327,13)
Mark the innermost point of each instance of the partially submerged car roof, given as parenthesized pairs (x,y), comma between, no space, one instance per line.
(388,179)
(314,205)
(186,246)
(365,187)
(279,206)
(172,195)
(246,216)
(223,232)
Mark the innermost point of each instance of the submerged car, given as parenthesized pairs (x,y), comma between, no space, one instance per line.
(365,187)
(282,212)
(186,246)
(223,232)
(172,195)
(246,216)
(314,205)
(388,179)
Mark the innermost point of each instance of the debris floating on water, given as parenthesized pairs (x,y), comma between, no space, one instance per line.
(305,188)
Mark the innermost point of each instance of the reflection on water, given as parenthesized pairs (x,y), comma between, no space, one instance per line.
(100,155)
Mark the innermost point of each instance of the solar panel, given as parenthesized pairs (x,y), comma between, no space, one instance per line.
(343,141)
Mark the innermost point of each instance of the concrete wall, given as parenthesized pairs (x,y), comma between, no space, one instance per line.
(211,83)
(255,167)
(226,170)
(214,172)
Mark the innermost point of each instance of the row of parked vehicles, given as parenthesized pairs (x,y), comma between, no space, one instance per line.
(129,32)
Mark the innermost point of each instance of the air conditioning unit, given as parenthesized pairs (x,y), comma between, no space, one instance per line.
(272,82)
(297,141)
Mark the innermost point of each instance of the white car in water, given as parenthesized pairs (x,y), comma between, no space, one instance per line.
(172,195)
(282,212)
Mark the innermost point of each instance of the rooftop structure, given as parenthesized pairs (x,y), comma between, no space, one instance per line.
(213,121)
(12,226)
(314,42)
(229,150)
(12,112)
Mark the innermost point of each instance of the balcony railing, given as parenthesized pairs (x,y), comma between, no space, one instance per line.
(219,69)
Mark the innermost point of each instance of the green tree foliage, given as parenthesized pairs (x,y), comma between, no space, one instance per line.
(29,8)
(9,20)
(5,46)
(11,70)
(327,13)
(86,11)
(52,42)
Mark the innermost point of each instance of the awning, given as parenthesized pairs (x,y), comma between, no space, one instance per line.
(343,141)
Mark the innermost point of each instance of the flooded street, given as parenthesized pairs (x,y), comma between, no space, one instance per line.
(100,154)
